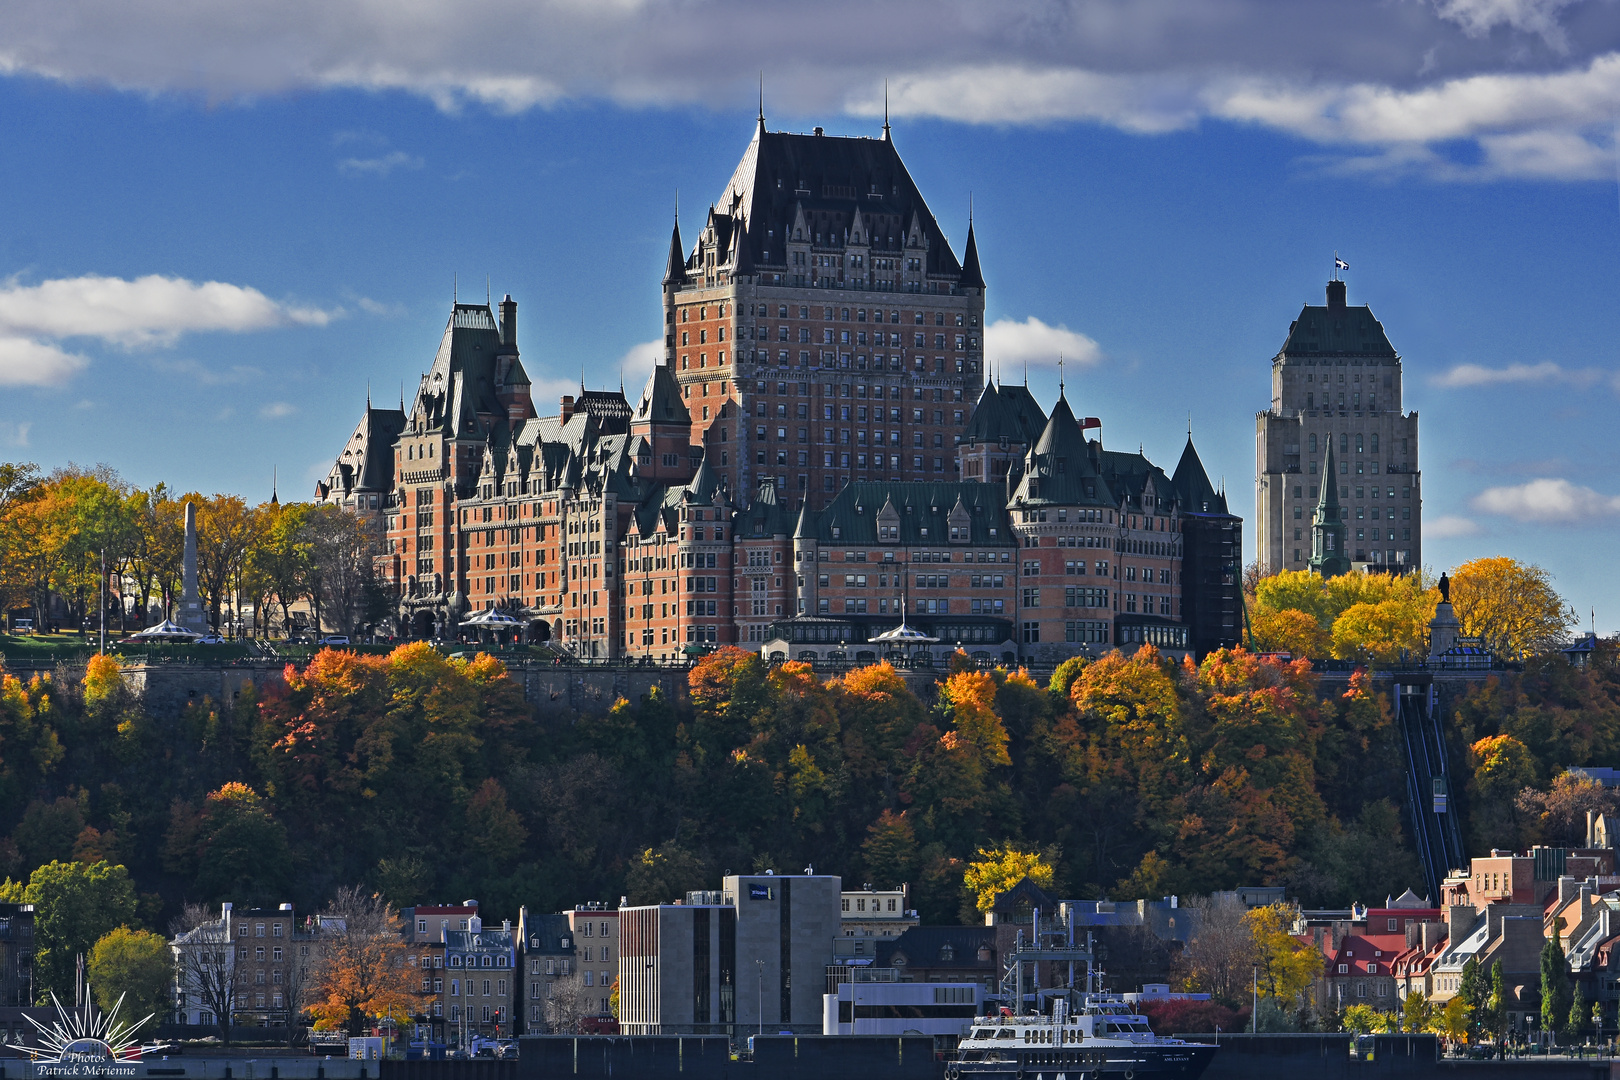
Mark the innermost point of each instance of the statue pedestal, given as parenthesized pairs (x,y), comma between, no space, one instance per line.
(1445,631)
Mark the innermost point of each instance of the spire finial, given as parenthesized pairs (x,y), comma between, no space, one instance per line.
(970,208)
(1189,423)
(455,287)
(761,97)
(274,476)
(368,395)
(886,111)
(1060,374)
(486,291)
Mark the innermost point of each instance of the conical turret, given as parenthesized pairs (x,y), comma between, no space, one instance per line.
(675,269)
(972,276)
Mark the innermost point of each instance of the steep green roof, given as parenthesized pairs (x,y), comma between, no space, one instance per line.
(918,505)
(1337,329)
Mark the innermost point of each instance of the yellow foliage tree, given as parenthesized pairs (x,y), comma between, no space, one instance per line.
(1384,632)
(999,869)
(1288,630)
(1510,605)
(102,680)
(971,697)
(1288,966)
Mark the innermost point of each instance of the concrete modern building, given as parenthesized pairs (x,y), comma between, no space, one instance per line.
(1336,382)
(749,957)
(875,1002)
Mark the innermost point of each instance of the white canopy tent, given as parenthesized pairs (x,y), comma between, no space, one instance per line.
(166,632)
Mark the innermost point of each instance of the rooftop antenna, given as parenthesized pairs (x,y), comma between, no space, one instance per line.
(886,137)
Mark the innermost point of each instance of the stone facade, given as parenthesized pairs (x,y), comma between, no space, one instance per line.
(821,400)
(1337,382)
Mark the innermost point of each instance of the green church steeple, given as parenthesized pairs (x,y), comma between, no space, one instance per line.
(1327,524)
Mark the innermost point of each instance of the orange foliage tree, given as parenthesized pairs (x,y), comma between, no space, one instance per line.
(361,974)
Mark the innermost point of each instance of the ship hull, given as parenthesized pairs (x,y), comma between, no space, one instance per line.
(1093,1062)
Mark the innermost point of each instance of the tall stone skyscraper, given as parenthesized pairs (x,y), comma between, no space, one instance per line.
(1337,382)
(821,330)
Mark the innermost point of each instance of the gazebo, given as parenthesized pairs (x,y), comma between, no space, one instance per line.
(165,632)
(903,637)
(495,621)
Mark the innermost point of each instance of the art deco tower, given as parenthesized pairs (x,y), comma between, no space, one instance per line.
(1337,383)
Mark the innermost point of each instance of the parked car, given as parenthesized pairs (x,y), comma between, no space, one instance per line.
(211,638)
(334,639)
(22,626)
(300,639)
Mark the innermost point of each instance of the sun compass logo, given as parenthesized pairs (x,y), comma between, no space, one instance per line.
(85,1042)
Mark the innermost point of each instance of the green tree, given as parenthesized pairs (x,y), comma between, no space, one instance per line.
(1473,989)
(1579,1014)
(135,965)
(1555,989)
(75,905)
(1495,1022)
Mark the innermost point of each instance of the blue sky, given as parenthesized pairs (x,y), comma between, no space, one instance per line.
(224,221)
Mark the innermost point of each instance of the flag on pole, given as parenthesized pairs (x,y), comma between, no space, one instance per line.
(1340,264)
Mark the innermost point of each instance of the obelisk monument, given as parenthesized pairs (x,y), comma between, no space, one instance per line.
(191,615)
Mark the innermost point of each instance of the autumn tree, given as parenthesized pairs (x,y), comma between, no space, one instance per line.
(1288,966)
(998,869)
(135,966)
(341,578)
(1510,606)
(1288,630)
(1560,813)
(226,529)
(279,564)
(361,973)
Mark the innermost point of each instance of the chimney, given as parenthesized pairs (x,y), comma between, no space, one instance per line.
(1335,295)
(509,322)
(567,407)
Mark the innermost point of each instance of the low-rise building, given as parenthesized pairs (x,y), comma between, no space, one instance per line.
(16,955)
(480,969)
(869,915)
(247,966)
(876,1002)
(426,928)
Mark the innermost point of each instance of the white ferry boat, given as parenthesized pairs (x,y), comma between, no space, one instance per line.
(1100,1038)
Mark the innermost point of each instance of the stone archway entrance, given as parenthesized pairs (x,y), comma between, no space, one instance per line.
(422,624)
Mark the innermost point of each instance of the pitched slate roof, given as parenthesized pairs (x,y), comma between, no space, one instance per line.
(1337,329)
(661,401)
(1005,412)
(767,516)
(920,505)
(938,947)
(367,460)
(1192,486)
(461,382)
(839,184)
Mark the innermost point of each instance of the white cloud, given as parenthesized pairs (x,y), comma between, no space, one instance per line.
(25,362)
(151,310)
(379,166)
(277,410)
(1470,375)
(1448,526)
(1547,500)
(1007,341)
(145,312)
(1528,85)
(15,434)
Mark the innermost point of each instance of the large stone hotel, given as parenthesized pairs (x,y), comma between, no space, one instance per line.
(817,460)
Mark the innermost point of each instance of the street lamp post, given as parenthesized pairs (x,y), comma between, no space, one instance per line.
(761,1003)
(1254,1018)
